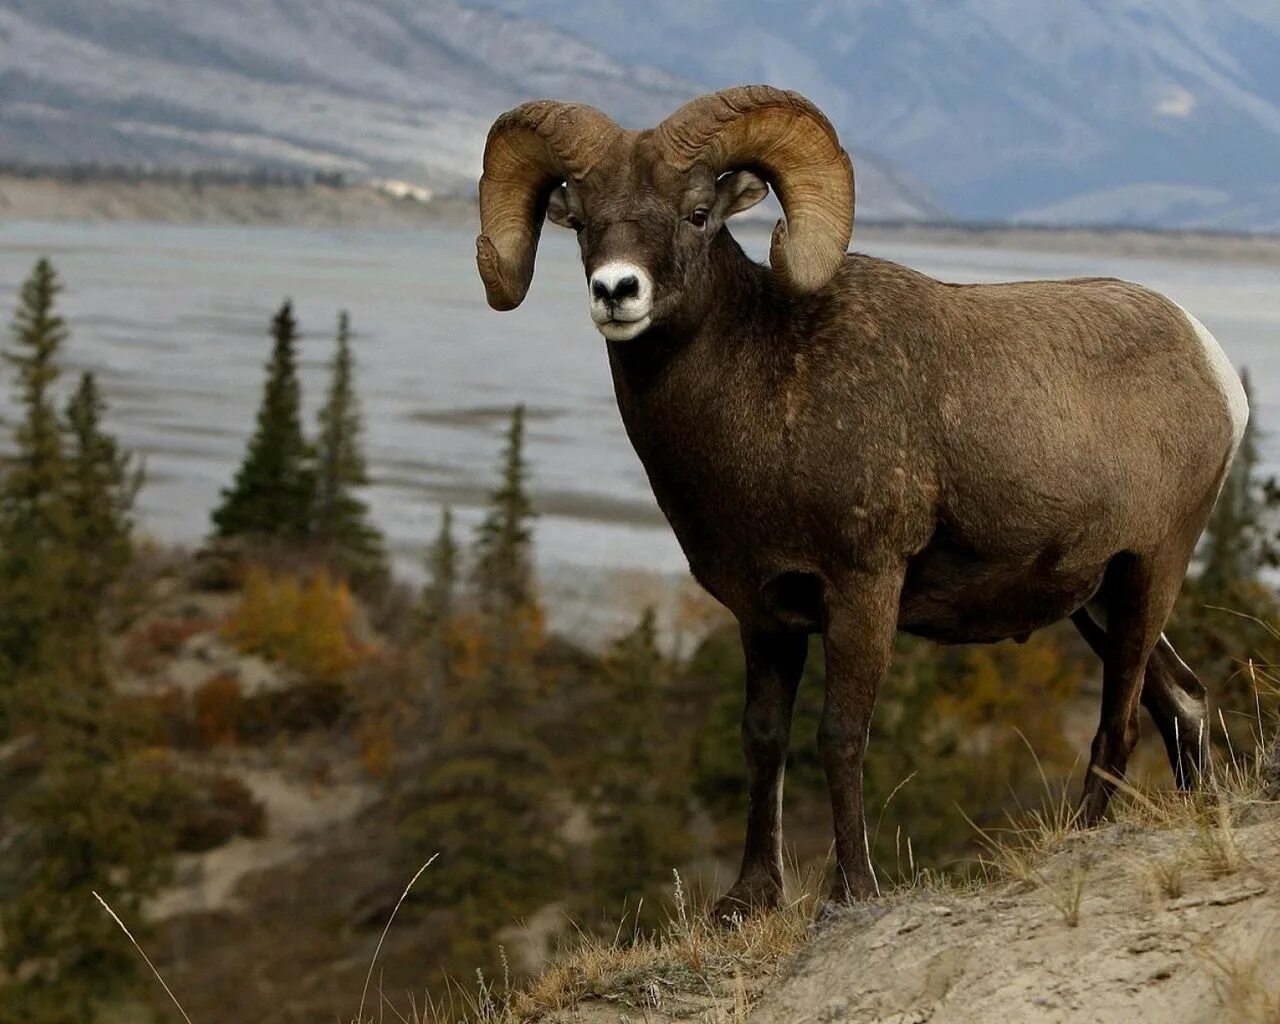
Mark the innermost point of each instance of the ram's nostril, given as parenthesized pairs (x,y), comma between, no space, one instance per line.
(604,290)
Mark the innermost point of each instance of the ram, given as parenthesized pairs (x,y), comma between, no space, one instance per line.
(847,447)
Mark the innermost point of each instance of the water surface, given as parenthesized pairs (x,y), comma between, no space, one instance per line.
(174,320)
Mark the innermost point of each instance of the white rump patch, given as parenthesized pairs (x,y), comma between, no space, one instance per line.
(1227,379)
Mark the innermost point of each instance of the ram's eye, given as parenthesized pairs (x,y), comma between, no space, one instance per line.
(699,217)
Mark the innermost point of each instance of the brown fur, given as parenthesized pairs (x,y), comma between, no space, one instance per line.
(964,462)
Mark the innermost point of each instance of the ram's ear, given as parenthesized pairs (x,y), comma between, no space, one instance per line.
(738,191)
(558,208)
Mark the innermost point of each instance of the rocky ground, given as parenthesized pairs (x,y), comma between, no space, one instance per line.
(1170,915)
(1104,931)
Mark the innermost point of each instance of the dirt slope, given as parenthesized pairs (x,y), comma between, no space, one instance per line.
(1148,946)
(1171,916)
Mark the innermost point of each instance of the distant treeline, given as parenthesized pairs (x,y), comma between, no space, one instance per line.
(93,172)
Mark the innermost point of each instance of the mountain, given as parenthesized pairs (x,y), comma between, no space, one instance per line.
(1164,112)
(403,89)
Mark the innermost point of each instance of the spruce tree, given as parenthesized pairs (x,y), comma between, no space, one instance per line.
(341,519)
(503,561)
(102,484)
(274,489)
(35,521)
(1233,547)
(438,601)
(1221,623)
(485,799)
(81,815)
(638,803)
(93,819)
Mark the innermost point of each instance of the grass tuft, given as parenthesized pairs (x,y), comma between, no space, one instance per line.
(1247,987)
(689,959)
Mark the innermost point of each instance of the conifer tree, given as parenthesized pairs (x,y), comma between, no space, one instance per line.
(274,489)
(102,484)
(35,520)
(1223,617)
(81,816)
(638,803)
(341,519)
(437,605)
(1234,539)
(92,819)
(503,562)
(485,797)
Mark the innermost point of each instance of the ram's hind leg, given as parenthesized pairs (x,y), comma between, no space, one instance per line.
(1178,702)
(1136,596)
(1175,699)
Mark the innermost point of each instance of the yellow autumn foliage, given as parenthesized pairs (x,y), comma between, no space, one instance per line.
(304,624)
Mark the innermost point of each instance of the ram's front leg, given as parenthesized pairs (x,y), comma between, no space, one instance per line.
(774,663)
(862,617)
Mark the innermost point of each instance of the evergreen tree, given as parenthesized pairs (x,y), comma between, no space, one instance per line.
(638,801)
(35,521)
(101,487)
(342,519)
(273,494)
(94,818)
(437,605)
(81,815)
(1224,618)
(485,799)
(1234,543)
(503,561)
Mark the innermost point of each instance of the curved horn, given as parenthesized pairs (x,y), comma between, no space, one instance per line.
(530,150)
(791,144)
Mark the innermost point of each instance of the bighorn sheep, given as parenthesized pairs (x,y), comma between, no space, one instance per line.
(845,446)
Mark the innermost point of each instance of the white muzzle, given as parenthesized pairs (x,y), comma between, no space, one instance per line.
(621,300)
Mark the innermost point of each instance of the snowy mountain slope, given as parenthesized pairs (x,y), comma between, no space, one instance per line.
(999,106)
(402,88)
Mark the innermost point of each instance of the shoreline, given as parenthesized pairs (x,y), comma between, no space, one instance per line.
(366,206)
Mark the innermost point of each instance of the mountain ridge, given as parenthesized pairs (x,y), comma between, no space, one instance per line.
(1003,109)
(372,88)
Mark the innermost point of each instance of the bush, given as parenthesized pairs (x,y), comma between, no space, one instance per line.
(215,809)
(219,704)
(304,625)
(296,709)
(160,638)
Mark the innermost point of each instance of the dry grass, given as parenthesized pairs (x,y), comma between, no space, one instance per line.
(1040,850)
(1065,889)
(1247,986)
(723,970)
(1168,874)
(720,969)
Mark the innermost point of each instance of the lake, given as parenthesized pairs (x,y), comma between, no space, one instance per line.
(174,321)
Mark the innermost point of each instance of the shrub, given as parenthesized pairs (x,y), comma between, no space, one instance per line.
(304,625)
(160,638)
(218,703)
(215,809)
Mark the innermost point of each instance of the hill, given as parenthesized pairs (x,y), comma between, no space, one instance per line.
(1170,914)
(1005,109)
(369,88)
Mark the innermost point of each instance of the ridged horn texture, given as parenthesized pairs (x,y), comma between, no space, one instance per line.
(530,150)
(789,142)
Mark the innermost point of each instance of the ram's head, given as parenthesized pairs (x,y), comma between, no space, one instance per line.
(648,206)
